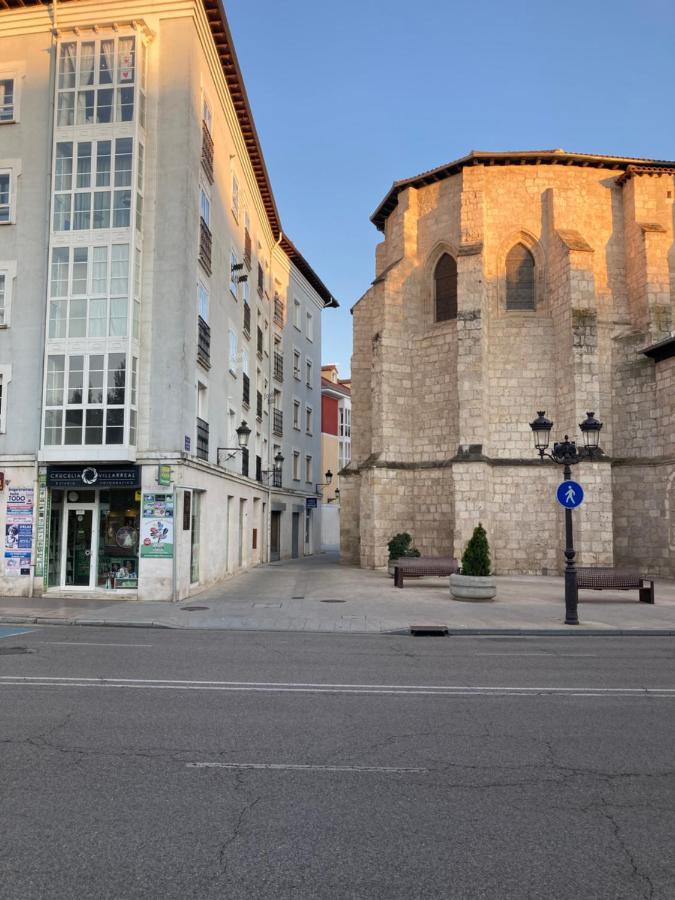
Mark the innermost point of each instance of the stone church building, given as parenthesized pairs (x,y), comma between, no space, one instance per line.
(508,283)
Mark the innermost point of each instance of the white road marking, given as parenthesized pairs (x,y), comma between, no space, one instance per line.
(91,644)
(385,770)
(309,688)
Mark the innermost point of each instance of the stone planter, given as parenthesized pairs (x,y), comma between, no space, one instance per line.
(473,587)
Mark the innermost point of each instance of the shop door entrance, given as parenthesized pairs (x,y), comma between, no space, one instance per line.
(79,555)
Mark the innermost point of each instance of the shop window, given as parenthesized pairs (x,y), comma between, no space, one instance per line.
(119,519)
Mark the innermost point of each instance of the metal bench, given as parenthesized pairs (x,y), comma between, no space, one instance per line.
(417,567)
(601,578)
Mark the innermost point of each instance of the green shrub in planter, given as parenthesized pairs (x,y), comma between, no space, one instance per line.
(401,545)
(476,559)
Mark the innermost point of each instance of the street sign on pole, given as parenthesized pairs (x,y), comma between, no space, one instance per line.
(570,494)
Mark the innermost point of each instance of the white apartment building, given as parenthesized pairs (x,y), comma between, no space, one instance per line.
(154,317)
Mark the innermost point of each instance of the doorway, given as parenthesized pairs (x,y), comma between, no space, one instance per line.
(295,536)
(78,549)
(275,536)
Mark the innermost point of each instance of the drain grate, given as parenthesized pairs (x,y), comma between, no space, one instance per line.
(193,608)
(332,601)
(429,630)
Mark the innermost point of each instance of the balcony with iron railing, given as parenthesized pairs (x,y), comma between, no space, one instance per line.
(203,343)
(277,421)
(205,245)
(246,390)
(202,439)
(207,152)
(276,478)
(278,366)
(259,405)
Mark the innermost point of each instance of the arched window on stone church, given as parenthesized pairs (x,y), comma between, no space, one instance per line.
(519,278)
(445,288)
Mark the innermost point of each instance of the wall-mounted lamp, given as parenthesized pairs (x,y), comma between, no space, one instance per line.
(243,433)
(275,472)
(329,477)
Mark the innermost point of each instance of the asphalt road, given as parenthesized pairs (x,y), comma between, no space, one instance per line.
(170,764)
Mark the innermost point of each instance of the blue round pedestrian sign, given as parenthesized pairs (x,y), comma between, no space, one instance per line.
(570,494)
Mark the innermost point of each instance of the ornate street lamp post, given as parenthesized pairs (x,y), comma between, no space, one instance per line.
(567,454)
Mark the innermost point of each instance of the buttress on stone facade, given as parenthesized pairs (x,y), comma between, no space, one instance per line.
(441,410)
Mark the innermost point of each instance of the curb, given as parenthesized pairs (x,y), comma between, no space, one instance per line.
(575,631)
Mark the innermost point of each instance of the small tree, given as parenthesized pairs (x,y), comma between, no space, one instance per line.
(401,545)
(476,559)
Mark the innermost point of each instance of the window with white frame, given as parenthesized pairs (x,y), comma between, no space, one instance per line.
(344,421)
(309,420)
(5,197)
(309,474)
(244,361)
(235,197)
(89,292)
(296,365)
(92,184)
(309,326)
(85,397)
(203,301)
(245,289)
(297,313)
(344,453)
(95,83)
(7,99)
(234,352)
(308,366)
(205,207)
(296,415)
(7,274)
(207,115)
(296,465)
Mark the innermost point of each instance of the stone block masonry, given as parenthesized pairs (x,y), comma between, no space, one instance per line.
(441,409)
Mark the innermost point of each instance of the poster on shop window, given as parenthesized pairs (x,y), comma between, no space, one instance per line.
(157,526)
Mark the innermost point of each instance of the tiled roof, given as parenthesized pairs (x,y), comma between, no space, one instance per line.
(627,165)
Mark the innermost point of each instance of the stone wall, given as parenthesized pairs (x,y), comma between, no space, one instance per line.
(441,438)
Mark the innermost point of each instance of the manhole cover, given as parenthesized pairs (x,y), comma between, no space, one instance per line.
(193,608)
(332,601)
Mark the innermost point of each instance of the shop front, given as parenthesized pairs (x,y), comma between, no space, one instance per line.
(93,527)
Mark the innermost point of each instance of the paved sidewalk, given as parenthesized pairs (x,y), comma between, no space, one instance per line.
(317,594)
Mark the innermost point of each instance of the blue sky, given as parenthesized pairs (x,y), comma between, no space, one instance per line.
(350,96)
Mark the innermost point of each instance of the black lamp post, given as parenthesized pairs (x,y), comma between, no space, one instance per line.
(567,454)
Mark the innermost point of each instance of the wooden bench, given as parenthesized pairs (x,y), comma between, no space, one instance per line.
(417,567)
(601,578)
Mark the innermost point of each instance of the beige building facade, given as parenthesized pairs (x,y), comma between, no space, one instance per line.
(507,284)
(150,306)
